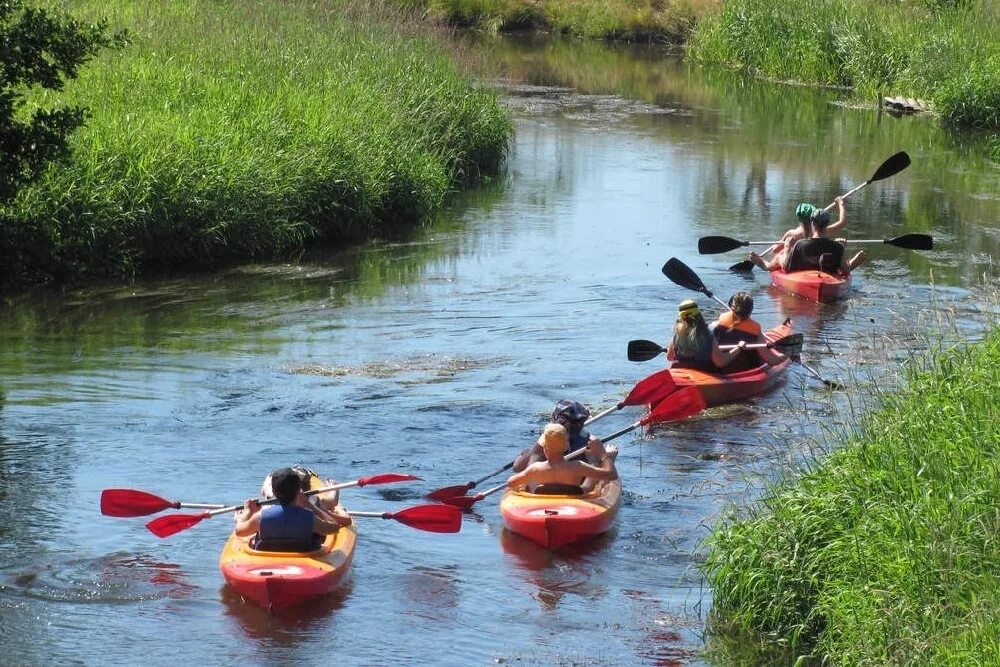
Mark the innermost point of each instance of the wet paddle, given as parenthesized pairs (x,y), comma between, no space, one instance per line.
(648,390)
(644,350)
(678,405)
(892,166)
(166,526)
(712,245)
(432,518)
(129,503)
(681,273)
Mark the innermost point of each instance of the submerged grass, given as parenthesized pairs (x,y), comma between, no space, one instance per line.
(240,130)
(946,52)
(886,552)
(634,20)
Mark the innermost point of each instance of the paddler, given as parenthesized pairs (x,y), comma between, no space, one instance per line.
(735,327)
(573,416)
(291,525)
(693,345)
(557,475)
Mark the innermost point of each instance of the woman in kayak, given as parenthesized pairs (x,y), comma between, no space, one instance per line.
(572,415)
(693,345)
(735,326)
(291,525)
(557,475)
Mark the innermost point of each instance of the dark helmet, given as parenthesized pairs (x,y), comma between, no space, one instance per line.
(569,412)
(820,219)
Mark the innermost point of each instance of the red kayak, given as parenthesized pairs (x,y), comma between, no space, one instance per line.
(557,520)
(812,284)
(718,389)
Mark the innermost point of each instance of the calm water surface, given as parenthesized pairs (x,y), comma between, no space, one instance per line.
(442,354)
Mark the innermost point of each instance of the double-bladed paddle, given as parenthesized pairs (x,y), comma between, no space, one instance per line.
(681,274)
(131,503)
(644,350)
(648,390)
(892,166)
(165,526)
(678,405)
(711,245)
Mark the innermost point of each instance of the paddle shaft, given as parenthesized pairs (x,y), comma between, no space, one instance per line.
(274,501)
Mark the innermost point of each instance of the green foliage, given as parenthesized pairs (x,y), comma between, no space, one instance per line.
(45,49)
(886,553)
(240,130)
(947,52)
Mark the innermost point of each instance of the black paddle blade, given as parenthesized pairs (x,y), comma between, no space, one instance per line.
(681,274)
(643,350)
(895,164)
(713,245)
(913,241)
(742,267)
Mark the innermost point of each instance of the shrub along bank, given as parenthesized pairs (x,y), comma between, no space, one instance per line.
(887,552)
(943,51)
(238,130)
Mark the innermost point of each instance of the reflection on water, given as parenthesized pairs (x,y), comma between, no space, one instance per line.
(440,353)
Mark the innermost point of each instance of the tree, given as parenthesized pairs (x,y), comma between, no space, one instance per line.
(40,48)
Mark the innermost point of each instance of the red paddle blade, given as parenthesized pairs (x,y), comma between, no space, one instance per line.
(678,405)
(649,389)
(447,492)
(165,526)
(129,502)
(386,478)
(462,502)
(432,518)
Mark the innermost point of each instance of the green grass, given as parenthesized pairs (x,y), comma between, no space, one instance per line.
(887,551)
(241,130)
(945,52)
(635,20)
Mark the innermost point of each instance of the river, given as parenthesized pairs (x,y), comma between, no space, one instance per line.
(441,354)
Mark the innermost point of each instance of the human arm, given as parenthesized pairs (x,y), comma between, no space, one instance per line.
(248,518)
(326,522)
(841,222)
(723,358)
(605,471)
(769,355)
(527,457)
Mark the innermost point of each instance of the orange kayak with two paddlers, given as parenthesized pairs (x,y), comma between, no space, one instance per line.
(812,284)
(721,388)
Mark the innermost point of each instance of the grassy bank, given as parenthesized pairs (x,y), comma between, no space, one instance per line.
(886,552)
(238,130)
(633,20)
(943,51)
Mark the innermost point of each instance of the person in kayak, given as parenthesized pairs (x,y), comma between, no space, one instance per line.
(557,475)
(293,524)
(693,345)
(805,214)
(573,416)
(820,252)
(735,327)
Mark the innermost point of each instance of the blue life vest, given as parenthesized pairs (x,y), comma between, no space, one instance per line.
(286,528)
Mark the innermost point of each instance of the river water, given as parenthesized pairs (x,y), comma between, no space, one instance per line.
(441,354)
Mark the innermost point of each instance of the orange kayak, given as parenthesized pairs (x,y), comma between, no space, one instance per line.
(718,389)
(813,285)
(279,579)
(557,520)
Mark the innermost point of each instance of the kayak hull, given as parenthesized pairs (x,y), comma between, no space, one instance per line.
(812,285)
(553,521)
(279,579)
(719,389)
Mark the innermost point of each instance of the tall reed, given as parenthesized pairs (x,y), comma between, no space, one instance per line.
(946,52)
(886,551)
(235,130)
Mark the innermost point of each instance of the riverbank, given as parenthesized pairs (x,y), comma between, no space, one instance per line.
(669,21)
(943,53)
(884,553)
(231,132)
(947,53)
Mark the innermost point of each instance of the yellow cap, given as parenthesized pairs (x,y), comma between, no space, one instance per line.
(688,308)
